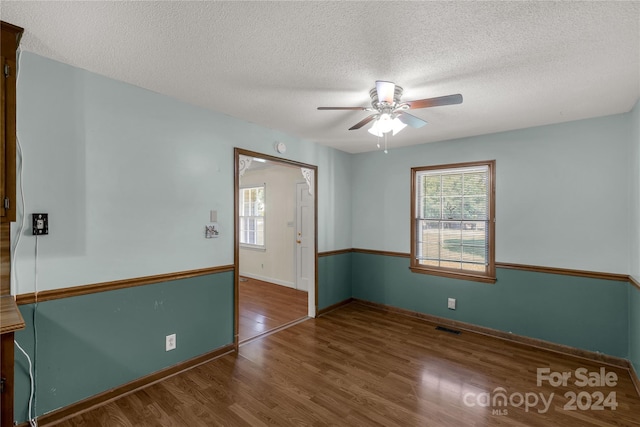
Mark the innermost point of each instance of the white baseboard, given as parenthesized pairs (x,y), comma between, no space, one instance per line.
(269,279)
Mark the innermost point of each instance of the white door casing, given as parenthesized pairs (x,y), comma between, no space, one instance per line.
(305,243)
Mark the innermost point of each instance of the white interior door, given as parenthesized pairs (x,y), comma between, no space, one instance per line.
(305,244)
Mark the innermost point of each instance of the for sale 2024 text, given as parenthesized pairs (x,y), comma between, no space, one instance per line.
(582,377)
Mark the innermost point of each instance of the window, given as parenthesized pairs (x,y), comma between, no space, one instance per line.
(452,228)
(252,216)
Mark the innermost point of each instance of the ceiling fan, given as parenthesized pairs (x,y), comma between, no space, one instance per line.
(389,113)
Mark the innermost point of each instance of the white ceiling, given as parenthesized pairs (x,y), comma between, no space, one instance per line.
(517,64)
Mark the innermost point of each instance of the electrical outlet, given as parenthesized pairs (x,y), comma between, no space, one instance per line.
(40,222)
(451,303)
(170,342)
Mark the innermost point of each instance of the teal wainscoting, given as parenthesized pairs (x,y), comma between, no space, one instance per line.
(634,327)
(91,343)
(334,279)
(590,314)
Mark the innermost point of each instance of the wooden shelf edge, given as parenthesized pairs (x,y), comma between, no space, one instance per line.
(10,315)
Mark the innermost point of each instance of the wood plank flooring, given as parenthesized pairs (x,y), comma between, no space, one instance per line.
(359,366)
(265,306)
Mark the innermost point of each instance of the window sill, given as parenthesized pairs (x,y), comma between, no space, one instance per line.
(253,248)
(454,274)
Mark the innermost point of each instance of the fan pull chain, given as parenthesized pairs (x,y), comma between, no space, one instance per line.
(385,143)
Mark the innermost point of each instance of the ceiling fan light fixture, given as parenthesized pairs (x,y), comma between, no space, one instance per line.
(397,126)
(385,124)
(375,130)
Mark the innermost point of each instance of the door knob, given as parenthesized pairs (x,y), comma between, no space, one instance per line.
(299,241)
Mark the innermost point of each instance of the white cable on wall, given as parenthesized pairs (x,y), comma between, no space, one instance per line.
(32,421)
(32,417)
(14,249)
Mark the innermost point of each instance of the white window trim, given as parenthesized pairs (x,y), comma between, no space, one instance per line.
(252,246)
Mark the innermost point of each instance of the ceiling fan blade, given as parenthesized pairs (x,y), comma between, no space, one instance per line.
(385,91)
(436,102)
(363,122)
(342,108)
(411,120)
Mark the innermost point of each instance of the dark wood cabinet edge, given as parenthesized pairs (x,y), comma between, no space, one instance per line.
(5,259)
(7,362)
(9,46)
(128,388)
(75,291)
(11,27)
(12,319)
(521,339)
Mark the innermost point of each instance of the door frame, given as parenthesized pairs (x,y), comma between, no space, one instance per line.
(236,227)
(299,231)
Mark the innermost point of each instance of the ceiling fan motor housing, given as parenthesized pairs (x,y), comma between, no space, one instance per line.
(379,106)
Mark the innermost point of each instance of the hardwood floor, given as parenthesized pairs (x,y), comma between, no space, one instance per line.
(358,366)
(265,306)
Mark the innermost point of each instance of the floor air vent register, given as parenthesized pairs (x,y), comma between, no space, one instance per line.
(451,331)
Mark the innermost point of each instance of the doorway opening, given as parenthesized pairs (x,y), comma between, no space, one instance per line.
(275,238)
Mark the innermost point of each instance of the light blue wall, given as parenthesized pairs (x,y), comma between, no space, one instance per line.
(129,176)
(561,193)
(634,193)
(562,200)
(634,252)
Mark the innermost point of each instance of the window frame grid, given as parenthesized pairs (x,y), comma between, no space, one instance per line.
(488,276)
(242,218)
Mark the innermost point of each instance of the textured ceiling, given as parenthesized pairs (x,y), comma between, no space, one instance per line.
(517,64)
